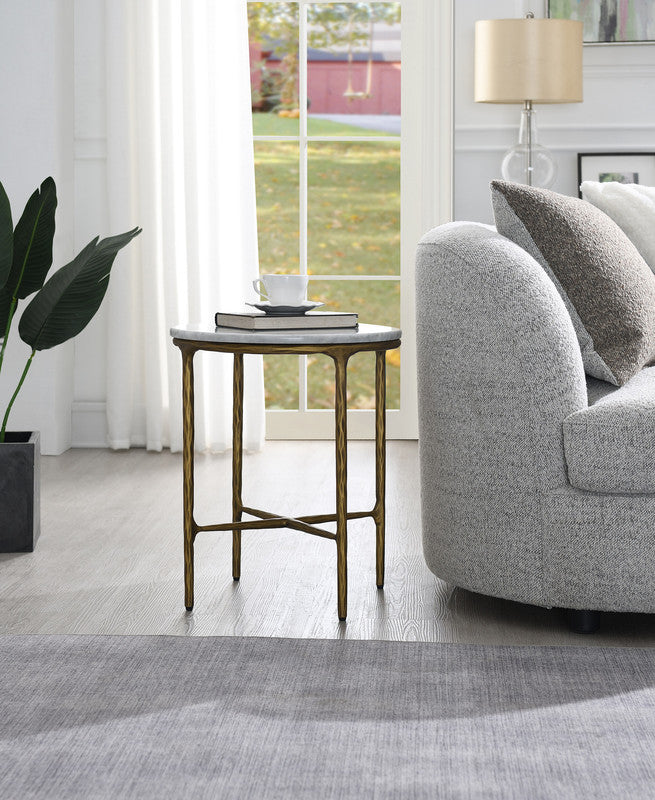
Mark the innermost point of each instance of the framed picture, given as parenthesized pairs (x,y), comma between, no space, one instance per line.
(609,21)
(619,167)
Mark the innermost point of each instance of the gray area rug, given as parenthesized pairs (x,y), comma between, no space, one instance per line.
(172,717)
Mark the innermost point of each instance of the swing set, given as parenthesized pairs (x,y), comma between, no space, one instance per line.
(350,94)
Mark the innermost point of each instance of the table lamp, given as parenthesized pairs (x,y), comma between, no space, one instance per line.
(528,61)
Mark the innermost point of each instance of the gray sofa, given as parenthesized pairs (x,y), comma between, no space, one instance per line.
(537,482)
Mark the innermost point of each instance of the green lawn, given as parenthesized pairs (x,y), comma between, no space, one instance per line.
(353,229)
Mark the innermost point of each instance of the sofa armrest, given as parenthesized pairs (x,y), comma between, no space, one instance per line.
(499,366)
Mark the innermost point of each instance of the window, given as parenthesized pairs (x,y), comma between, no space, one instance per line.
(326,91)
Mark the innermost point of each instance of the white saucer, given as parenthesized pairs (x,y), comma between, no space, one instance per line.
(285,311)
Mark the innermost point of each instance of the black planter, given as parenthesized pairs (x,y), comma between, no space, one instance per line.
(20,488)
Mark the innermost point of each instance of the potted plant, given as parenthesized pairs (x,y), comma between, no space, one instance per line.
(59,309)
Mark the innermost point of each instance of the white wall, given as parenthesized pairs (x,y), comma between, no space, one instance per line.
(618,112)
(36,136)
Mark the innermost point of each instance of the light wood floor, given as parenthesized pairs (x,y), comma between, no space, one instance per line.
(109,559)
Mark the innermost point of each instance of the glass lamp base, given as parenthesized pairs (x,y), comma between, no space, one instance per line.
(535,169)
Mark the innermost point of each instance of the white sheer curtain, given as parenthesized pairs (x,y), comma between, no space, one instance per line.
(180,164)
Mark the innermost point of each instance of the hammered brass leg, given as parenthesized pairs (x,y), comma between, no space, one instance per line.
(341,443)
(237,462)
(187,467)
(380,465)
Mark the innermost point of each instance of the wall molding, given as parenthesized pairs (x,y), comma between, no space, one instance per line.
(621,71)
(641,147)
(611,137)
(484,129)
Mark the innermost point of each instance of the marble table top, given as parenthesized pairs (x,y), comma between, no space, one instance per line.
(363,333)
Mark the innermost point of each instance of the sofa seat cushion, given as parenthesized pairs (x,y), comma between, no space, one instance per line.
(610,446)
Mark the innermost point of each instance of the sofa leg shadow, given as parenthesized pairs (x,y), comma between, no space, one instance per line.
(582,621)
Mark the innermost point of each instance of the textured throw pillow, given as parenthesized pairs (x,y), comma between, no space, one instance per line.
(606,285)
(632,207)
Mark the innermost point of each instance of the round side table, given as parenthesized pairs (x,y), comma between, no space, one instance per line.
(340,345)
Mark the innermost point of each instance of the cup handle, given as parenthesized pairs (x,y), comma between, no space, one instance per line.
(259,288)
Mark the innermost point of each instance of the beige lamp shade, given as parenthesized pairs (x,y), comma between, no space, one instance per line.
(528,59)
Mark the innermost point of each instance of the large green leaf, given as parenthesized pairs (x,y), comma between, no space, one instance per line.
(70,298)
(6,240)
(33,237)
(5,303)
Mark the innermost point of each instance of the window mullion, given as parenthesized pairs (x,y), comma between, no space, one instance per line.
(302,183)
(302,149)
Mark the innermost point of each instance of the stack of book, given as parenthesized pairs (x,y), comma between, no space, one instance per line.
(259,321)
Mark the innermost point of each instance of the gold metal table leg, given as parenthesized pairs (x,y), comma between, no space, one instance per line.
(380,464)
(341,444)
(340,355)
(187,467)
(237,462)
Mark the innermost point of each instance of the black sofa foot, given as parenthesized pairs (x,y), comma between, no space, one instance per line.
(582,621)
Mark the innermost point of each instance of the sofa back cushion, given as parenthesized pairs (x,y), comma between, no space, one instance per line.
(606,285)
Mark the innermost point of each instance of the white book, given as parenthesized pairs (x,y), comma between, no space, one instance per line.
(259,321)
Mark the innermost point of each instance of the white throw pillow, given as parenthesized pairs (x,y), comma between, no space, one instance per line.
(632,207)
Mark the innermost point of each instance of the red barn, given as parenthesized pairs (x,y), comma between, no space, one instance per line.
(369,84)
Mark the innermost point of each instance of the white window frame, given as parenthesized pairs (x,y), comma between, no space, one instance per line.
(426,147)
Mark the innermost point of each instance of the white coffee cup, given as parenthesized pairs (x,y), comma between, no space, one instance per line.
(282,290)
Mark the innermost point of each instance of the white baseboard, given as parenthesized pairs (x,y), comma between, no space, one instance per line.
(89,424)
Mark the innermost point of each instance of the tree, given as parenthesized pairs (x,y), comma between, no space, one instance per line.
(330,26)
